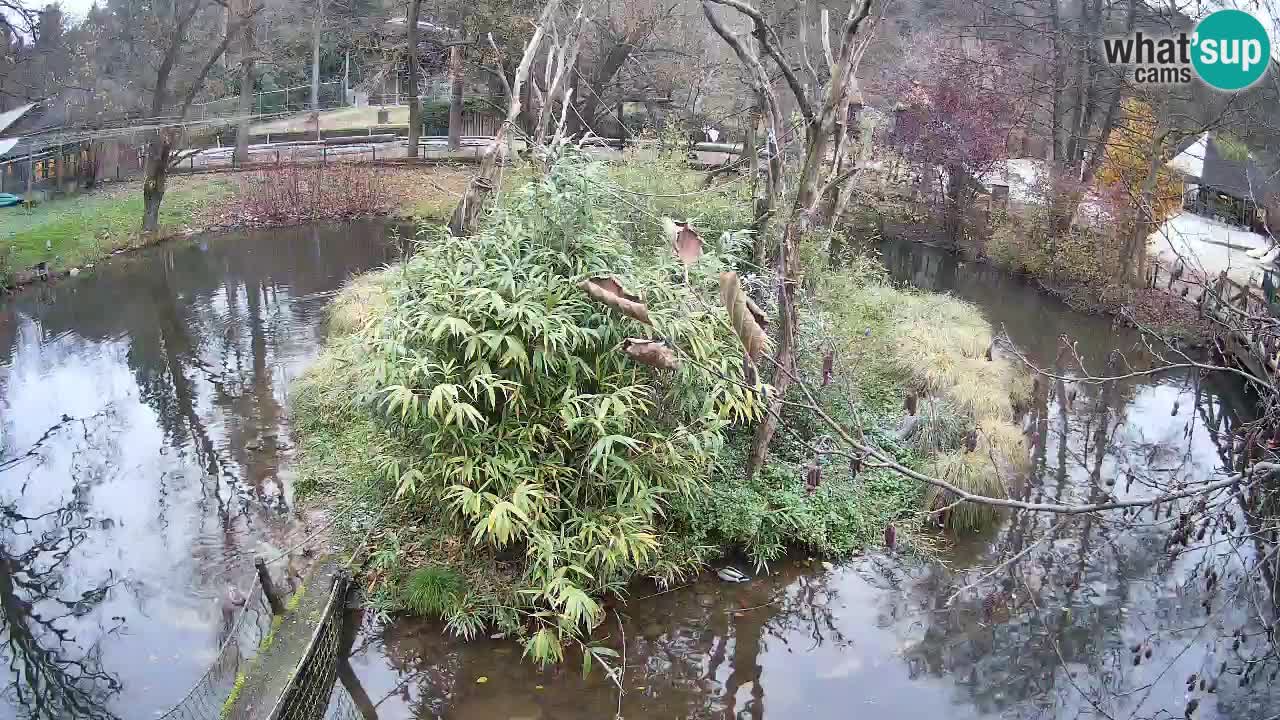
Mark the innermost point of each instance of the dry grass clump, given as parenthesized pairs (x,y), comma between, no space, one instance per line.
(972,472)
(363,299)
(937,347)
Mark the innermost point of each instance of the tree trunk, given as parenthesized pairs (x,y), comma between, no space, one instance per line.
(315,64)
(1134,261)
(953,217)
(455,97)
(808,193)
(415,109)
(315,56)
(759,196)
(155,177)
(245,109)
(575,126)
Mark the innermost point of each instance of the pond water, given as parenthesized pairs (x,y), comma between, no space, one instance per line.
(131,498)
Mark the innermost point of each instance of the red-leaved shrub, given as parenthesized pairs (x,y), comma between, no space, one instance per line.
(301,193)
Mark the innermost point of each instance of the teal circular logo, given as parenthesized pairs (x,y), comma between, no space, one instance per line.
(1231,50)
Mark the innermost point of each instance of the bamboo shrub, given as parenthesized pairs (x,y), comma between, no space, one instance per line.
(545,439)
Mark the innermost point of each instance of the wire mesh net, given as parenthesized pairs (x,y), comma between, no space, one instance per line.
(308,693)
(241,643)
(270,102)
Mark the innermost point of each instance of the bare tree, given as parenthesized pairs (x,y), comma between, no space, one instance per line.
(455,95)
(248,59)
(820,124)
(466,216)
(174,33)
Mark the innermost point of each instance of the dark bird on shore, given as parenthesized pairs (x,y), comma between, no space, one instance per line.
(910,403)
(971,441)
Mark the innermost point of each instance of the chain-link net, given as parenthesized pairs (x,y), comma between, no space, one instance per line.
(251,625)
(307,695)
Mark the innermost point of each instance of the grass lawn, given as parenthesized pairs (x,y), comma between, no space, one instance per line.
(352,117)
(72,231)
(428,196)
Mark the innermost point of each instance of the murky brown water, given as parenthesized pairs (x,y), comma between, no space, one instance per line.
(130,497)
(132,399)
(879,636)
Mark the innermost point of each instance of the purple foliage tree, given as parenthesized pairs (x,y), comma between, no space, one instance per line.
(954,117)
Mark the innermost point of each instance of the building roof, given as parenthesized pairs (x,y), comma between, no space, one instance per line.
(1227,166)
(9,117)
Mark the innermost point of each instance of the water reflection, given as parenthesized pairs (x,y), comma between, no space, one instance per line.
(142,431)
(1050,635)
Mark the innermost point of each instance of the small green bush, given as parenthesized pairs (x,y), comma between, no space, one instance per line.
(432,591)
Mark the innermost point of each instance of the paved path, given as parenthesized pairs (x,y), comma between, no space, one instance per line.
(1209,246)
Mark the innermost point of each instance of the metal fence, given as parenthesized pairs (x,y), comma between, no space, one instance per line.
(273,102)
(244,638)
(307,695)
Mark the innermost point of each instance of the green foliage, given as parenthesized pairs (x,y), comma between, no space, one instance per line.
(6,271)
(935,346)
(659,182)
(433,591)
(1092,257)
(972,473)
(942,427)
(1231,147)
(476,403)
(269,639)
(521,417)
(772,512)
(295,599)
(435,113)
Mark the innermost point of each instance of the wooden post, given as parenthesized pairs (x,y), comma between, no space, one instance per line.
(31,175)
(268,587)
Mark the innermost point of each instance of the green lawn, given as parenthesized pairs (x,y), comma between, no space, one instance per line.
(75,230)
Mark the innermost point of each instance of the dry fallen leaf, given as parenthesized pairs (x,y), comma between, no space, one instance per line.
(482,679)
(686,243)
(735,300)
(652,353)
(609,291)
(611,284)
